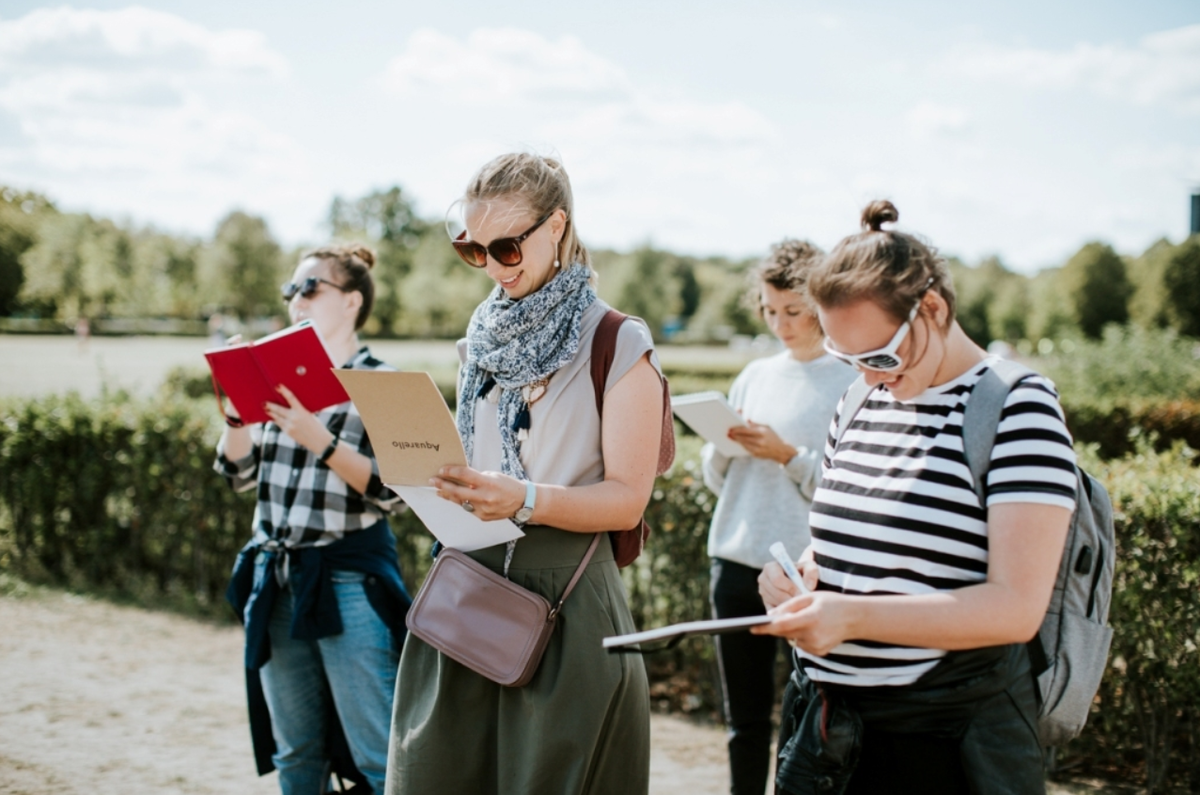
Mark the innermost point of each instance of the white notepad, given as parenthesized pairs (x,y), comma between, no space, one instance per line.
(413,435)
(716,626)
(710,415)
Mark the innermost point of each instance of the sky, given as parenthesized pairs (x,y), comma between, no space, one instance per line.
(1022,130)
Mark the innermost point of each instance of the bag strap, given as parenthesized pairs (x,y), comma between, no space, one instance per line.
(981,417)
(583,564)
(854,399)
(604,350)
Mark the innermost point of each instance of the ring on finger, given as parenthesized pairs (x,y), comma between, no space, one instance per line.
(467,506)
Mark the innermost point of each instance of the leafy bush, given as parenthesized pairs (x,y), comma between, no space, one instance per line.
(1146,718)
(1126,364)
(1117,429)
(119,497)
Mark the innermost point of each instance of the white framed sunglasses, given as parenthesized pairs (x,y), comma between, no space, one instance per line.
(885,359)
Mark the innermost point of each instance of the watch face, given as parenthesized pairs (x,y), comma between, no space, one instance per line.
(522,516)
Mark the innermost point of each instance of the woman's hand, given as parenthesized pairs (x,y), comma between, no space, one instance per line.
(761,441)
(815,622)
(299,423)
(493,495)
(775,587)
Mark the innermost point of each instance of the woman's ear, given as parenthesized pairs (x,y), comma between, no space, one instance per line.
(935,307)
(354,302)
(558,225)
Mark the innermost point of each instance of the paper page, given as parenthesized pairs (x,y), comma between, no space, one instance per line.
(453,526)
(710,415)
(718,626)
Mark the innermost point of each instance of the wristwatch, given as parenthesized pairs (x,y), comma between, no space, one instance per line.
(525,512)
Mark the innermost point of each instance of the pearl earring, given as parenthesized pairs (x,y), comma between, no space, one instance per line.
(556,264)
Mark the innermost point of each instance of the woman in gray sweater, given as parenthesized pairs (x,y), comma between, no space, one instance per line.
(787,400)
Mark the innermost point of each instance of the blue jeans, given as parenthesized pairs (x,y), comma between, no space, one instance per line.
(355,670)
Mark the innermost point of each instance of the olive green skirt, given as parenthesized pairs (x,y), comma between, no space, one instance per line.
(581,725)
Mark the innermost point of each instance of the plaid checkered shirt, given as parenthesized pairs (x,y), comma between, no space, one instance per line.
(302,502)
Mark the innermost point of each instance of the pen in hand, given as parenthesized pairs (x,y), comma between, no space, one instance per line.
(779,552)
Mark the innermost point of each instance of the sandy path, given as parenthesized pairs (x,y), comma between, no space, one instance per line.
(97,698)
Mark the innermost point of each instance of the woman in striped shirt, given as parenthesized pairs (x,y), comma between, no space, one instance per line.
(912,673)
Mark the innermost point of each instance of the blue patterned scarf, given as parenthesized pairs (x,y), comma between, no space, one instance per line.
(511,344)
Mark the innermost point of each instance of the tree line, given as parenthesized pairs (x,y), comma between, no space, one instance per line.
(61,265)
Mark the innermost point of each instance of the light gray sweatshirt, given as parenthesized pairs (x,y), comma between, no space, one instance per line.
(761,501)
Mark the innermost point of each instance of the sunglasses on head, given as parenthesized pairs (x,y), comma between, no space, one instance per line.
(885,359)
(506,250)
(306,288)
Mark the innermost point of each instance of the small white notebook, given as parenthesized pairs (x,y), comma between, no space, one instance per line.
(710,415)
(716,626)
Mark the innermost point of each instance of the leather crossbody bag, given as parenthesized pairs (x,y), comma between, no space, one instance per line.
(484,621)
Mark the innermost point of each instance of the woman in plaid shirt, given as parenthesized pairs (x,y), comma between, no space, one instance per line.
(318,585)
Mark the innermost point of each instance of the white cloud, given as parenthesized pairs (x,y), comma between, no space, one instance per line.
(1161,69)
(514,88)
(502,65)
(128,111)
(129,37)
(928,120)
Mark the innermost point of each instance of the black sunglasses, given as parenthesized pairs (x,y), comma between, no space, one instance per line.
(506,250)
(306,288)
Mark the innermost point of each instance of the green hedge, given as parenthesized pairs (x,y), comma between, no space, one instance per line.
(1145,724)
(1118,427)
(119,497)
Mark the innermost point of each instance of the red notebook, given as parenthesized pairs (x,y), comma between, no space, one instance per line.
(295,357)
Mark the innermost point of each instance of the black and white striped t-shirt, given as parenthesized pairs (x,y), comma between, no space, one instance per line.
(897,512)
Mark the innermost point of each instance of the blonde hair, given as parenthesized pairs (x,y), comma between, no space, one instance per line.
(351,264)
(541,183)
(891,269)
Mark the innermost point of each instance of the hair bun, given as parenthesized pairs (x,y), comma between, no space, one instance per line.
(878,213)
(365,254)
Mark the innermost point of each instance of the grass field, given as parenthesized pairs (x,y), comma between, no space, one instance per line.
(33,365)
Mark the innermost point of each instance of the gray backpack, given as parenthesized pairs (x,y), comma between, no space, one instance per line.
(1070,652)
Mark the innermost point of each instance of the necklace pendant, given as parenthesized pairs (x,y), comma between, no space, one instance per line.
(533,392)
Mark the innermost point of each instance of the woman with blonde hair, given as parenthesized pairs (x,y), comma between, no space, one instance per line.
(912,673)
(540,454)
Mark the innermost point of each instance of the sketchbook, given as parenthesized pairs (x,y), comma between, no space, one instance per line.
(413,435)
(710,415)
(677,632)
(250,372)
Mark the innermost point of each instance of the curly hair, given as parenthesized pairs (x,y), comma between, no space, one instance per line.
(787,267)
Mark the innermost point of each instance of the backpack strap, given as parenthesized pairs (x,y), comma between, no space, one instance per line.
(981,417)
(853,401)
(604,350)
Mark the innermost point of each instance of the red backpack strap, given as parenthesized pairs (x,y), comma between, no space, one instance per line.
(604,350)
(627,544)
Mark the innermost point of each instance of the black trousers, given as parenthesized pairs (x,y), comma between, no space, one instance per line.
(747,664)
